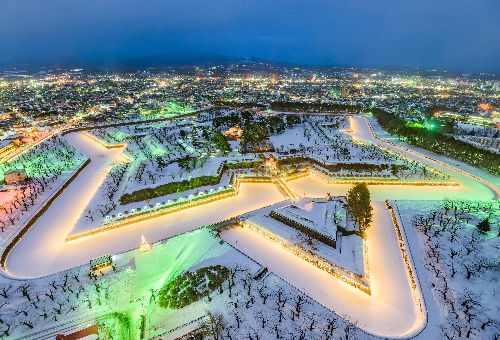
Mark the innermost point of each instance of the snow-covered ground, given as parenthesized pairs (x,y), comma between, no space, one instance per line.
(318,215)
(463,171)
(95,210)
(48,166)
(457,265)
(297,239)
(43,250)
(313,187)
(316,139)
(156,158)
(347,258)
(390,311)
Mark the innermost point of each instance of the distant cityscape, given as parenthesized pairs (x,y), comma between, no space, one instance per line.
(34,104)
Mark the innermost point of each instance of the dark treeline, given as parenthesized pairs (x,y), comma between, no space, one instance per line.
(438,142)
(314,107)
(295,106)
(241,119)
(239,105)
(356,167)
(172,187)
(243,165)
(304,229)
(169,188)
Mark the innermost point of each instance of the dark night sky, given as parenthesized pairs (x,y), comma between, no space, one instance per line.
(443,34)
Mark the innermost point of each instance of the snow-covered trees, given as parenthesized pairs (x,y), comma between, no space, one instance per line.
(214,325)
(47,166)
(269,308)
(463,262)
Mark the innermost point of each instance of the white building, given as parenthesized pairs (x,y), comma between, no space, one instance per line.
(14,176)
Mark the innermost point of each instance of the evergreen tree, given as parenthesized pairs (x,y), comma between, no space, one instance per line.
(254,134)
(214,325)
(358,204)
(292,119)
(221,142)
(484,226)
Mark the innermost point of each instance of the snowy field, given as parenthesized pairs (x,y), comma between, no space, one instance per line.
(324,217)
(444,163)
(458,265)
(317,139)
(48,166)
(161,160)
(313,187)
(390,310)
(346,258)
(52,254)
(162,156)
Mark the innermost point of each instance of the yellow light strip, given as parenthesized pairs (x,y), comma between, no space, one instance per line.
(408,265)
(153,214)
(300,252)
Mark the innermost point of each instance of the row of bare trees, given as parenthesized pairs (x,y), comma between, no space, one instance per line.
(44,164)
(463,264)
(29,305)
(270,308)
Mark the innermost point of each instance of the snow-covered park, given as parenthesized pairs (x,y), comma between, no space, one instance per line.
(288,262)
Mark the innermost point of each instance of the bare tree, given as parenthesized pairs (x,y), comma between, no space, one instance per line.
(214,325)
(5,289)
(350,331)
(25,289)
(307,240)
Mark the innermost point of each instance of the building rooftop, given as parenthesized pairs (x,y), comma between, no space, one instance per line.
(12,171)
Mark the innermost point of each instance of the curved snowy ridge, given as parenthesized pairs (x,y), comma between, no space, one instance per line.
(418,297)
(15,238)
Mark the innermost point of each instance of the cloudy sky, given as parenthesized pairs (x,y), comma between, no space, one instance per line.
(442,34)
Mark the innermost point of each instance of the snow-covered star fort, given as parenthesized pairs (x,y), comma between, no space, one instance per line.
(251,223)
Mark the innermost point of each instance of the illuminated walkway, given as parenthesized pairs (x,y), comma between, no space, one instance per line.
(43,250)
(473,188)
(387,312)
